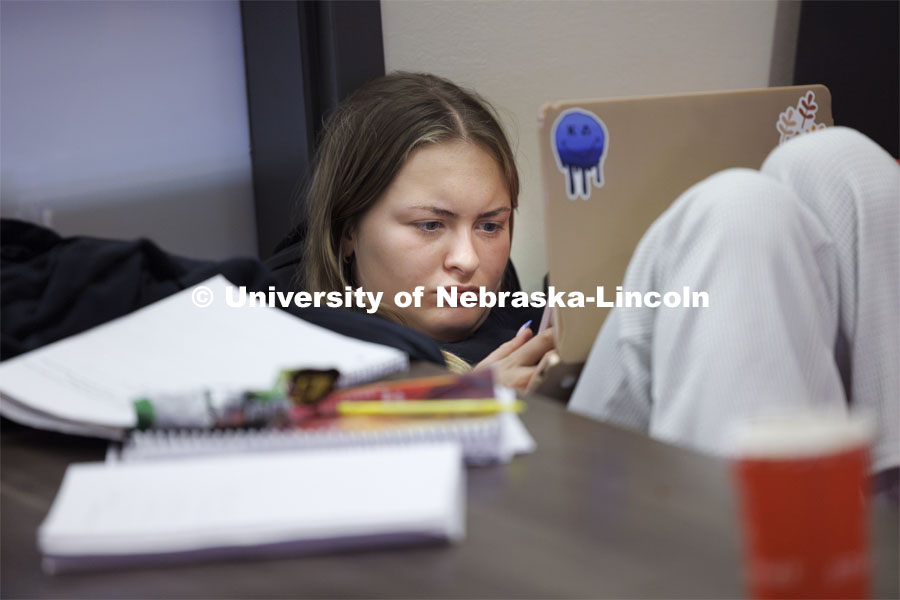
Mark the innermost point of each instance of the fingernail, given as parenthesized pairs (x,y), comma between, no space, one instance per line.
(523,328)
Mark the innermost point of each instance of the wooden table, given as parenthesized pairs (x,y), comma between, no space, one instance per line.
(596,512)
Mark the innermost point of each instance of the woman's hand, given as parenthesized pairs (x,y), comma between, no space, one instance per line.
(515,362)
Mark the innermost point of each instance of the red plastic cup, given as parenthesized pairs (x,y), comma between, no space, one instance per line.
(802,483)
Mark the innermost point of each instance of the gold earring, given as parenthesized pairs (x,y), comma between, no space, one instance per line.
(347,259)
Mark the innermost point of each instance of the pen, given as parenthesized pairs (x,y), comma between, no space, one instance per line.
(478,384)
(428,407)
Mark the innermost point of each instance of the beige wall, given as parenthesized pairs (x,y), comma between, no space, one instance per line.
(521,54)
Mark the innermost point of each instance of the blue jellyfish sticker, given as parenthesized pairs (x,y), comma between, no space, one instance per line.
(580,142)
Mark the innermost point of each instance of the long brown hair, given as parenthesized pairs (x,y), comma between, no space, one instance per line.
(366,142)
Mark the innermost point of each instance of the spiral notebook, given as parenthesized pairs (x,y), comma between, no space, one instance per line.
(86,384)
(283,503)
(484,440)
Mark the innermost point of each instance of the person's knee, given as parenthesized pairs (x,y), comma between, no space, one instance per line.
(739,206)
(828,159)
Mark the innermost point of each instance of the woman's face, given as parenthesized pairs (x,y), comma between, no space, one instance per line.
(443,221)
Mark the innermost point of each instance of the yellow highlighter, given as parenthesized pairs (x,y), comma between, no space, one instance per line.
(466,406)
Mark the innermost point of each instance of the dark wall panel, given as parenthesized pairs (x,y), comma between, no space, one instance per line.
(302,59)
(852,47)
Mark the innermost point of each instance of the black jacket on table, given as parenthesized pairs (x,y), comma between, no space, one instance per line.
(53,287)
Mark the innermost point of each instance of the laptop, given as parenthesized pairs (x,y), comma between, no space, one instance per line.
(610,167)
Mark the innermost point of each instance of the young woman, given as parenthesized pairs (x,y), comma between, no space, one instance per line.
(415,184)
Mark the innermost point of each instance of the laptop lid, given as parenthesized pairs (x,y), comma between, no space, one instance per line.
(611,167)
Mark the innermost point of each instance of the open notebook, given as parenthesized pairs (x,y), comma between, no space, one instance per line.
(254,505)
(86,384)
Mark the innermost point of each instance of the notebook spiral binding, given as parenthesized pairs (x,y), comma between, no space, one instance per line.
(480,439)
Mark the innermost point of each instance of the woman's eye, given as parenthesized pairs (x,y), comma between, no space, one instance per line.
(490,227)
(429,225)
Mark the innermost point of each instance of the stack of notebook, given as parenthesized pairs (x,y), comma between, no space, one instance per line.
(189,494)
(86,384)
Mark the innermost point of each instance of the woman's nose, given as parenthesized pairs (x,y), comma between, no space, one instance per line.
(462,256)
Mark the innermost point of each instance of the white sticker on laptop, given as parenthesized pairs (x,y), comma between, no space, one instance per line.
(802,119)
(580,142)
